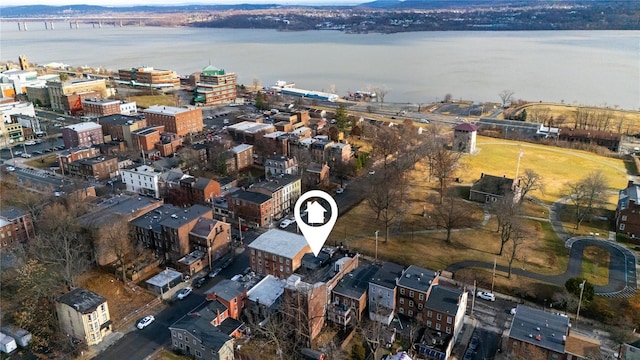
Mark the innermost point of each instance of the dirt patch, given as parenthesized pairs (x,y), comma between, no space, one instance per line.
(122,298)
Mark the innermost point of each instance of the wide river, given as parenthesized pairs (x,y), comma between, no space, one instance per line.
(581,67)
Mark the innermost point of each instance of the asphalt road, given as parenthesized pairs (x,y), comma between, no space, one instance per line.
(138,344)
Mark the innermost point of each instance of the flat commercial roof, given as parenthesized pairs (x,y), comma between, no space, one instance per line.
(84,126)
(267,291)
(281,243)
(164,277)
(165,110)
(540,328)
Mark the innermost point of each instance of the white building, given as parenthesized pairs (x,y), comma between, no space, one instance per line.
(16,108)
(20,79)
(277,165)
(142,180)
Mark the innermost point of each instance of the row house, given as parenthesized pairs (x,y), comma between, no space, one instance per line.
(628,212)
(82,134)
(99,168)
(252,207)
(383,292)
(279,164)
(339,152)
(95,107)
(176,229)
(180,121)
(74,154)
(149,77)
(146,138)
(121,127)
(200,190)
(320,149)
(445,310)
(169,144)
(196,335)
(16,226)
(265,297)
(349,296)
(142,180)
(147,228)
(84,315)
(278,253)
(284,191)
(310,287)
(413,291)
(546,335)
(211,237)
(231,294)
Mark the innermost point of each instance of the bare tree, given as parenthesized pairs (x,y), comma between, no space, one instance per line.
(59,245)
(506,96)
(530,181)
(586,194)
(450,213)
(385,143)
(538,114)
(381,92)
(508,215)
(517,239)
(114,239)
(444,165)
(190,159)
(385,197)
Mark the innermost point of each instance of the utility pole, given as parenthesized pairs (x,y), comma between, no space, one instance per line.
(493,278)
(377,231)
(580,301)
(473,299)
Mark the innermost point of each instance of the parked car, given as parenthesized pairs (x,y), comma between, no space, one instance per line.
(184,293)
(372,172)
(284,223)
(30,142)
(197,283)
(11,168)
(38,152)
(486,296)
(25,155)
(145,321)
(215,272)
(513,311)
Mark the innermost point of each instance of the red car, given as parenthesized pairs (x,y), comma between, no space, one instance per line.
(244,227)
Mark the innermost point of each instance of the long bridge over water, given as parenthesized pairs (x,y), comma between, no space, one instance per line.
(24,23)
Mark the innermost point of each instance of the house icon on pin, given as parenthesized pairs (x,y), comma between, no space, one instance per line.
(316,213)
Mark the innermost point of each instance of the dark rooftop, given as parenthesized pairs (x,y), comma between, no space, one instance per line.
(387,275)
(118,119)
(227,289)
(153,219)
(494,185)
(250,196)
(204,227)
(12,213)
(120,205)
(417,278)
(444,299)
(540,328)
(84,301)
(184,216)
(325,272)
(201,329)
(355,284)
(276,182)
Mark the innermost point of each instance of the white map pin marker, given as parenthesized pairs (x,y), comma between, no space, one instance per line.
(317,235)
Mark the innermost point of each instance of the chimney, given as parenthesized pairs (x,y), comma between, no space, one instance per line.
(481,175)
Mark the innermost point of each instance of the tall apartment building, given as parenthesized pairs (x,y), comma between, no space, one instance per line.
(59,90)
(181,121)
(82,134)
(215,87)
(94,107)
(149,77)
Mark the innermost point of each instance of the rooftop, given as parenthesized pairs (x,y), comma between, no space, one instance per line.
(100,101)
(164,277)
(119,119)
(540,328)
(180,218)
(631,193)
(277,182)
(240,148)
(83,126)
(250,196)
(201,329)
(321,273)
(144,170)
(119,205)
(281,243)
(444,299)
(192,257)
(387,275)
(153,219)
(84,301)
(466,127)
(204,227)
(494,185)
(165,110)
(355,284)
(12,213)
(267,291)
(417,278)
(250,127)
(227,289)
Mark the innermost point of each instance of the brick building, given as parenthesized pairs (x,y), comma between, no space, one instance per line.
(149,77)
(121,127)
(58,92)
(16,226)
(82,134)
(74,154)
(181,121)
(254,208)
(95,107)
(231,294)
(215,87)
(99,168)
(212,237)
(146,138)
(413,291)
(200,190)
(284,191)
(278,253)
(628,212)
(242,158)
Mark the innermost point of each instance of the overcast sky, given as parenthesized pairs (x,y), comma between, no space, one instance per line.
(176,2)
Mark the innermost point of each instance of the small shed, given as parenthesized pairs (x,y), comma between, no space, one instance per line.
(164,281)
(21,336)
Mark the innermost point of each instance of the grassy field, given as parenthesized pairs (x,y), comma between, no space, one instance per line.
(44,162)
(630,119)
(557,166)
(595,265)
(543,252)
(146,101)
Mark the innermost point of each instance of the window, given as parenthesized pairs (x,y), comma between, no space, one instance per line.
(89,317)
(198,353)
(401,310)
(401,291)
(419,306)
(410,303)
(175,343)
(421,296)
(102,307)
(439,316)
(411,293)
(429,313)
(410,312)
(621,226)
(449,319)
(186,338)
(437,326)
(428,323)
(401,301)
(624,217)
(448,330)
(180,336)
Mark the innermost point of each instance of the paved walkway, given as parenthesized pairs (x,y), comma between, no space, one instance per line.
(623,268)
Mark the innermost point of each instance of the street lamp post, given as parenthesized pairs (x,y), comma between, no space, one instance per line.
(240,228)
(377,231)
(580,301)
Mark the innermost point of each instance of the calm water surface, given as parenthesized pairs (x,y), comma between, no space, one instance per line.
(584,67)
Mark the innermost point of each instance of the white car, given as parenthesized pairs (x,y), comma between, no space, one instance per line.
(372,172)
(60,118)
(215,272)
(11,168)
(284,223)
(30,142)
(513,311)
(25,155)
(486,296)
(145,321)
(184,293)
